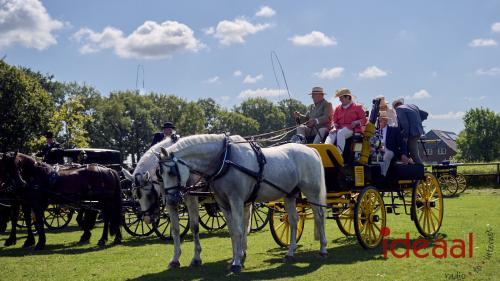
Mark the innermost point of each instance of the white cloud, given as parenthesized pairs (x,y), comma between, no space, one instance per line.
(480,42)
(264,93)
(252,80)
(495,27)
(151,40)
(237,73)
(232,32)
(372,72)
(447,116)
(314,39)
(212,80)
(422,94)
(27,22)
(330,73)
(469,99)
(494,71)
(266,12)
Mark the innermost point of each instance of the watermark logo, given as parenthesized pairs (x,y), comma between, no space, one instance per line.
(422,248)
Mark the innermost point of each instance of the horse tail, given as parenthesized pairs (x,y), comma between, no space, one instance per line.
(116,206)
(322,190)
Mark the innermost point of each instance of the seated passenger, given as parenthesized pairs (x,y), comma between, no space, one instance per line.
(393,144)
(348,118)
(319,117)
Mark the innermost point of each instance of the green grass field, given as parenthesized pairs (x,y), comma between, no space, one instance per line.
(476,211)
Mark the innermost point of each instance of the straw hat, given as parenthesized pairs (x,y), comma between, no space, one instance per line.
(383,115)
(343,92)
(317,90)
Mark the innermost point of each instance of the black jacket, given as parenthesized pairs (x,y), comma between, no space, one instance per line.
(410,119)
(395,143)
(158,137)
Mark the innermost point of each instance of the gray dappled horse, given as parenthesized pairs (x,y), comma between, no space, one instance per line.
(231,166)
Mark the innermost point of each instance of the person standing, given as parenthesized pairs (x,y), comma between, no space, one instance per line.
(319,117)
(410,119)
(45,150)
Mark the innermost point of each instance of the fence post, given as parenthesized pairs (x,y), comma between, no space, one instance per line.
(498,173)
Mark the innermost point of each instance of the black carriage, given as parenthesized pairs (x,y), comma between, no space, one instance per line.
(450,180)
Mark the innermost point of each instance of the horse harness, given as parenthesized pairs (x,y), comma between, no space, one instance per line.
(224,166)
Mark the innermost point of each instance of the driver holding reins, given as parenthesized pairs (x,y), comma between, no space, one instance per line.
(319,117)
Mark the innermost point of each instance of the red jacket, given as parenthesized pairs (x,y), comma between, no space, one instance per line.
(344,117)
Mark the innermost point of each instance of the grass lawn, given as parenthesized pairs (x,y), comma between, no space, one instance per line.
(476,211)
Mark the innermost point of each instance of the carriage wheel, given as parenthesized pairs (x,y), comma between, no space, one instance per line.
(211,217)
(280,227)
(133,221)
(260,216)
(449,185)
(163,227)
(345,220)
(369,218)
(462,183)
(427,206)
(57,217)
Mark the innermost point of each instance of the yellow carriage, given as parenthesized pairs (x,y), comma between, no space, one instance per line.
(359,198)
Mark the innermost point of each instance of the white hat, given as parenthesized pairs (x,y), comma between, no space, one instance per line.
(398,100)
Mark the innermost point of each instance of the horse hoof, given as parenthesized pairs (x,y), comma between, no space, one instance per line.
(39,247)
(28,243)
(235,268)
(101,243)
(174,264)
(117,242)
(195,263)
(323,255)
(288,259)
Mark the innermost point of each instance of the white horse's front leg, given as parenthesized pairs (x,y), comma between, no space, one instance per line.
(293,217)
(174,219)
(192,206)
(237,233)
(247,214)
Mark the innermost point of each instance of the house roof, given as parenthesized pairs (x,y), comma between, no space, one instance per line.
(449,138)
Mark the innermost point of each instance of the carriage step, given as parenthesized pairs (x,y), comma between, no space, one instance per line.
(392,210)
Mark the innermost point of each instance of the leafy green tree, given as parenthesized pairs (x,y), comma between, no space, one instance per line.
(288,107)
(268,116)
(479,140)
(25,109)
(69,121)
(235,123)
(211,112)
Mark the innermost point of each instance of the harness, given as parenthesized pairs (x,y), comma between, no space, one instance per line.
(223,168)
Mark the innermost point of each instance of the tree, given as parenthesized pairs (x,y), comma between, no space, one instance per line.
(479,140)
(268,116)
(211,112)
(25,109)
(69,121)
(235,123)
(288,107)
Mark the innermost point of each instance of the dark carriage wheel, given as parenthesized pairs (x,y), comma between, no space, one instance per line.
(427,206)
(260,216)
(57,216)
(211,217)
(133,222)
(163,227)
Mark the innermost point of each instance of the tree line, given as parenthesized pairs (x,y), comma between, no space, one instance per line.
(32,103)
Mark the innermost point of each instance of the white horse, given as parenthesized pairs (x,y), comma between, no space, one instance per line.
(290,168)
(147,189)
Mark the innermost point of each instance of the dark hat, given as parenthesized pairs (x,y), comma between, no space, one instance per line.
(168,125)
(48,134)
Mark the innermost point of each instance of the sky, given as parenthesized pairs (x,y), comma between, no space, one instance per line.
(443,56)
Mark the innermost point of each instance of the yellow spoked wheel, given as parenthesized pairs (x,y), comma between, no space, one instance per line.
(345,221)
(449,185)
(462,183)
(427,206)
(369,218)
(280,226)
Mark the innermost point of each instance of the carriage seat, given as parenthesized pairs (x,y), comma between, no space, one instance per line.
(398,171)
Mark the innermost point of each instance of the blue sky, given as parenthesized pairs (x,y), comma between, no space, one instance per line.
(443,56)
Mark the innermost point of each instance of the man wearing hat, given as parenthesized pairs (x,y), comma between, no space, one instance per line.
(44,152)
(348,118)
(168,132)
(319,117)
(410,119)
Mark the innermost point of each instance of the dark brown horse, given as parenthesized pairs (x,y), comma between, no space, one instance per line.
(92,187)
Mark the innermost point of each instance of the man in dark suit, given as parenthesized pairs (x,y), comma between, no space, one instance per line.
(410,119)
(44,152)
(393,144)
(168,131)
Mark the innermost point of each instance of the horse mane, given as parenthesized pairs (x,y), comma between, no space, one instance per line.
(148,160)
(194,140)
